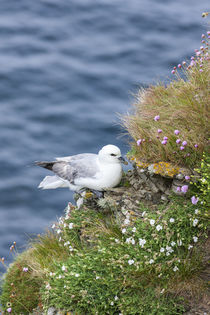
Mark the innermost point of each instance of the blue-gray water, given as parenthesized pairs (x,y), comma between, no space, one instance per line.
(66,69)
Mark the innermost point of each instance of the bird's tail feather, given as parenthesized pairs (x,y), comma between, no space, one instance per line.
(48,165)
(52,182)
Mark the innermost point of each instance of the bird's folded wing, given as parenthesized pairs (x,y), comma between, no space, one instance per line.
(81,166)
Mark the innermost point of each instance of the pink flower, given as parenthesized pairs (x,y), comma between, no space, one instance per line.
(184,143)
(202,36)
(165,138)
(184,63)
(178,141)
(194,200)
(164,142)
(196,145)
(9,310)
(201,70)
(178,189)
(192,63)
(138,142)
(176,132)
(160,130)
(208,33)
(179,66)
(181,148)
(25,269)
(184,189)
(173,71)
(187,177)
(157,117)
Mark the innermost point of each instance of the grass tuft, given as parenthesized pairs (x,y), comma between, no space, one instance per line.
(182,105)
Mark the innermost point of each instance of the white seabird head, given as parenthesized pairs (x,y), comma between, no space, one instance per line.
(110,154)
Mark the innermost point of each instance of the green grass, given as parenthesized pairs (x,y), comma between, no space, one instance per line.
(182,105)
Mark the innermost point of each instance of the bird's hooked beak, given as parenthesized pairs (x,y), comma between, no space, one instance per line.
(122,160)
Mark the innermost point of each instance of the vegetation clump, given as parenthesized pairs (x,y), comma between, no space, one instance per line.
(171,123)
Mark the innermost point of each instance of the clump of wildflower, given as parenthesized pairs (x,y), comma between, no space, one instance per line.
(157,117)
(142,242)
(138,142)
(195,222)
(71,225)
(194,200)
(152,222)
(159,227)
(184,189)
(130,261)
(195,239)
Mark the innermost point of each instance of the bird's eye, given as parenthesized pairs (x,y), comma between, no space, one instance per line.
(112,154)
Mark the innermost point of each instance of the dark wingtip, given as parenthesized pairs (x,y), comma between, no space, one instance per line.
(47,165)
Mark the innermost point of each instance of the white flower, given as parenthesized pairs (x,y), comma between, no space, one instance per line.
(71,248)
(152,222)
(66,243)
(173,244)
(116,298)
(58,231)
(134,229)
(63,268)
(196,211)
(143,213)
(162,250)
(190,246)
(167,254)
(130,240)
(127,221)
(151,261)
(71,225)
(97,277)
(59,277)
(179,243)
(171,220)
(195,222)
(159,227)
(76,275)
(142,242)
(175,268)
(112,303)
(123,231)
(169,249)
(195,239)
(53,226)
(130,261)
(116,240)
(48,287)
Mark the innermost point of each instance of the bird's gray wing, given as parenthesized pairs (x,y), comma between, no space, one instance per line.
(79,166)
